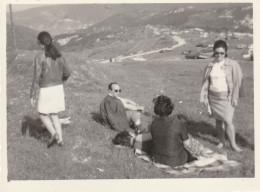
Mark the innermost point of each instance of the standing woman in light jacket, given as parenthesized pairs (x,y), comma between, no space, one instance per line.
(50,72)
(221,88)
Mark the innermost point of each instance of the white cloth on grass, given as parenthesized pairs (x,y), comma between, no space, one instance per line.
(208,160)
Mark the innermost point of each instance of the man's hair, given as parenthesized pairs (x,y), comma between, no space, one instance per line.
(110,85)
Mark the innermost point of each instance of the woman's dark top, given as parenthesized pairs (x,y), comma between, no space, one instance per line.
(168,134)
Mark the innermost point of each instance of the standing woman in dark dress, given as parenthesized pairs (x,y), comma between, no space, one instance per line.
(222,86)
(169,135)
(50,72)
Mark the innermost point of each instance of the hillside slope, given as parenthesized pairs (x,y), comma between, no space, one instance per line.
(25,38)
(60,19)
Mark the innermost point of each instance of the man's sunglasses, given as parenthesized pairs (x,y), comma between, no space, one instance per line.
(117,90)
(219,53)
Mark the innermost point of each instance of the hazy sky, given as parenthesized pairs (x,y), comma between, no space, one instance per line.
(18,7)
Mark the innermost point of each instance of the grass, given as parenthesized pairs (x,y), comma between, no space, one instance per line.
(88,152)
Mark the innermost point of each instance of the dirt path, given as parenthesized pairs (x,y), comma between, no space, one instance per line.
(178,39)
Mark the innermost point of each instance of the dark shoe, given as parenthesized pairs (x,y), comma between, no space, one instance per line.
(54,138)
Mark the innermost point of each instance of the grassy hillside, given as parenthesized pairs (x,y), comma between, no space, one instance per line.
(113,43)
(120,30)
(88,153)
(25,38)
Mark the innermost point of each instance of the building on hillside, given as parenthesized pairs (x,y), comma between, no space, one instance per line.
(221,35)
(204,34)
(198,29)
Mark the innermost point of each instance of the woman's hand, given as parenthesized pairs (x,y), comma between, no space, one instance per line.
(234,102)
(206,100)
(186,142)
(33,102)
(206,103)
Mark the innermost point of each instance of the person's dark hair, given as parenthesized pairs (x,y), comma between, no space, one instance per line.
(218,44)
(111,84)
(163,105)
(122,138)
(50,50)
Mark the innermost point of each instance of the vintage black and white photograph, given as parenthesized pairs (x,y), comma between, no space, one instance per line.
(116,91)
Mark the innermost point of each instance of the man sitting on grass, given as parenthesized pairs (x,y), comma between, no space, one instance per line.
(120,113)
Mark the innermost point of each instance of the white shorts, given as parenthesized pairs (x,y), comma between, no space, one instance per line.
(51,100)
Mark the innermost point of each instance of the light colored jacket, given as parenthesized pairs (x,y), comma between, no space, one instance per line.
(234,78)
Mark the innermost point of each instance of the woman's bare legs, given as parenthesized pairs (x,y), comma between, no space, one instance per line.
(48,123)
(46,120)
(57,125)
(230,130)
(220,127)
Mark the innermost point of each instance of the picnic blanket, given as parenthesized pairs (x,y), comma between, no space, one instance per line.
(207,160)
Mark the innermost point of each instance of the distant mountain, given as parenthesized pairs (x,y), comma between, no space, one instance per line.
(59,19)
(233,17)
(64,19)
(123,29)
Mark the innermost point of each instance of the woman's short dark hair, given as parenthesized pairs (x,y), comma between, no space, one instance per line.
(222,44)
(50,50)
(163,105)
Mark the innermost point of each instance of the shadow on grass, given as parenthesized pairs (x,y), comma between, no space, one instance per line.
(97,117)
(197,129)
(243,142)
(203,128)
(35,129)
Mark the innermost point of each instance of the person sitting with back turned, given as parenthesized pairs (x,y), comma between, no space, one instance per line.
(120,113)
(169,135)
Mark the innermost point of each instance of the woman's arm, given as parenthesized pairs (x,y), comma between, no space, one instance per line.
(66,70)
(238,89)
(205,85)
(36,77)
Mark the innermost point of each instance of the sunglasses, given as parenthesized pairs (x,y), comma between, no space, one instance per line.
(219,53)
(117,90)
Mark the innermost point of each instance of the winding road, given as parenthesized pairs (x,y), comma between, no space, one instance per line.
(178,39)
